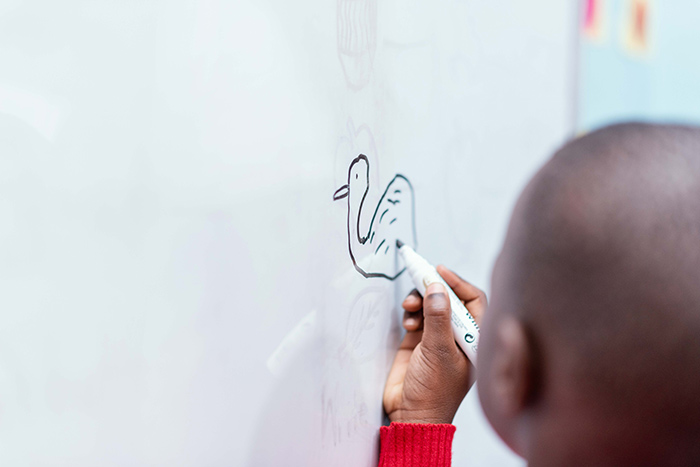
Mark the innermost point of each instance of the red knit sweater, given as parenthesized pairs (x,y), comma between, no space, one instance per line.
(416,445)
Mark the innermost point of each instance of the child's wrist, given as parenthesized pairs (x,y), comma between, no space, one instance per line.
(421,417)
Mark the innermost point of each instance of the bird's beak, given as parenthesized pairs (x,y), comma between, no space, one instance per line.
(340,193)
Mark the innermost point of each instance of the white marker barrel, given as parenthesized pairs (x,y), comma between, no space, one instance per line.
(464,328)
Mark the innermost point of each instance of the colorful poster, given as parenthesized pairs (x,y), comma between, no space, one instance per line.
(636,27)
(594,24)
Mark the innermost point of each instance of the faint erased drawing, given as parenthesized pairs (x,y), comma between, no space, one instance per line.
(393,218)
(357,40)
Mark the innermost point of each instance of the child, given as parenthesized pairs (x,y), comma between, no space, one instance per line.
(590,350)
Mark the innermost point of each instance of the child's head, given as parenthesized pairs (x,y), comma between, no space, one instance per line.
(591,346)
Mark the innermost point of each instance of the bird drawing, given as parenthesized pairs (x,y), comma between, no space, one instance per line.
(373,250)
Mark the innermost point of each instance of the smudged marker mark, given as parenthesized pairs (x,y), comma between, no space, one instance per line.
(392,221)
(397,191)
(372,238)
(380,245)
(387,249)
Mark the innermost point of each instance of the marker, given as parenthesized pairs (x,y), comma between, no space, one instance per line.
(464,328)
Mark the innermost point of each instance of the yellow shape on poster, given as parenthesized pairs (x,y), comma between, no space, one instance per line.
(636,30)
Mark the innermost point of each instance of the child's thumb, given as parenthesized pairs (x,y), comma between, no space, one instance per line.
(437,325)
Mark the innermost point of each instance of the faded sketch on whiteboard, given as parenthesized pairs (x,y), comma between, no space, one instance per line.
(357,40)
(373,250)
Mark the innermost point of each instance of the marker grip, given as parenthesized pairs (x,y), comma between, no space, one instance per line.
(464,327)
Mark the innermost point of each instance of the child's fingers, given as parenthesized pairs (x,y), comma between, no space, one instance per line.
(464,290)
(472,297)
(413,320)
(413,302)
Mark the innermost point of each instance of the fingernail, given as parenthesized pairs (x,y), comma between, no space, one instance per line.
(411,298)
(410,321)
(435,287)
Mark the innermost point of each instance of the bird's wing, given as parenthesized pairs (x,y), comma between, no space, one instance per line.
(394,218)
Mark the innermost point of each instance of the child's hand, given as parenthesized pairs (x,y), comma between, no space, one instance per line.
(431,375)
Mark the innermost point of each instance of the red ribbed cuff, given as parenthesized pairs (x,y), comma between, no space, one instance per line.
(416,445)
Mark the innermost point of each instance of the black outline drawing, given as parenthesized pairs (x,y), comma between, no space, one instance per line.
(344,192)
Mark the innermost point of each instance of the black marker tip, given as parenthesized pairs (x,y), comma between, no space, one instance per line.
(399,244)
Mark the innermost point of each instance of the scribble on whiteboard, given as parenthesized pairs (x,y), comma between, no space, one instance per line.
(357,40)
(342,423)
(373,252)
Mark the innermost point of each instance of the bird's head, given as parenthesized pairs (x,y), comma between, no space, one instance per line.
(358,179)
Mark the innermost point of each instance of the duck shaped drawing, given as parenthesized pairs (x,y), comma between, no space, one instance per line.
(373,250)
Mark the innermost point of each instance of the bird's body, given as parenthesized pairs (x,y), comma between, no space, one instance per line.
(372,251)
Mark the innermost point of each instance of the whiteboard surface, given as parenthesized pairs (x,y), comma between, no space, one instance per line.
(175,281)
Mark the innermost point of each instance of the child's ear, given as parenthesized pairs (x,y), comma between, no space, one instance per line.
(512,375)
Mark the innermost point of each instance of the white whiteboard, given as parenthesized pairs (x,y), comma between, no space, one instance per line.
(175,281)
